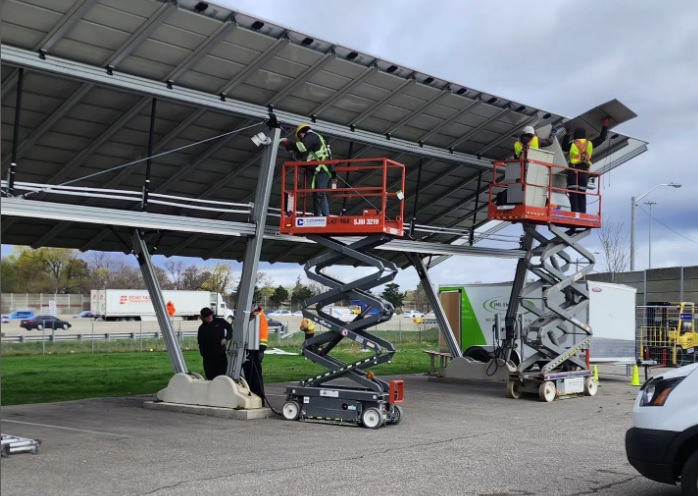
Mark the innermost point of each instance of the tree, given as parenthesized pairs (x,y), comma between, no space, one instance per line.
(299,294)
(175,270)
(421,302)
(392,294)
(615,246)
(279,296)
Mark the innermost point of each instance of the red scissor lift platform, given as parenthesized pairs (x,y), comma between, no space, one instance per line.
(386,208)
(375,402)
(534,191)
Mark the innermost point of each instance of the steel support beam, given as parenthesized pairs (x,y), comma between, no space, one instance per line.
(9,83)
(341,93)
(66,23)
(77,70)
(439,313)
(12,171)
(303,78)
(140,249)
(240,78)
(419,110)
(252,254)
(479,128)
(380,103)
(508,133)
(195,56)
(49,235)
(451,120)
(49,122)
(168,8)
(148,162)
(63,212)
(477,201)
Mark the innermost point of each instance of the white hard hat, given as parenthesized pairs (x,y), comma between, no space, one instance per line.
(529,130)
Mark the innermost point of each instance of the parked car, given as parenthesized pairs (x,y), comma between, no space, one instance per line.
(410,314)
(663,443)
(5,319)
(44,322)
(84,315)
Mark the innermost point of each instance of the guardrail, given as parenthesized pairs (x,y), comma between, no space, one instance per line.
(109,336)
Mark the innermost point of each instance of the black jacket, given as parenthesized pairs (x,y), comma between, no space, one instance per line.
(210,335)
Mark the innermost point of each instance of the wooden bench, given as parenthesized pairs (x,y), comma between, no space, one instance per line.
(444,358)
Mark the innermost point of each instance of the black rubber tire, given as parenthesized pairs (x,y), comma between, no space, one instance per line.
(689,476)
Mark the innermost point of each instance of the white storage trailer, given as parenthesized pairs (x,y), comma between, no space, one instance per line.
(135,304)
(471,309)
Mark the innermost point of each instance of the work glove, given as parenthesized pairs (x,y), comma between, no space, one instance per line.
(286,143)
(605,122)
(554,130)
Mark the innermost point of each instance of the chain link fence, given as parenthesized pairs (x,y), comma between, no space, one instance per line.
(667,334)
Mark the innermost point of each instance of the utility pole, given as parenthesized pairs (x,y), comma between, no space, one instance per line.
(650,203)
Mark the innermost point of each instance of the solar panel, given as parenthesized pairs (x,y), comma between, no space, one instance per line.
(90,70)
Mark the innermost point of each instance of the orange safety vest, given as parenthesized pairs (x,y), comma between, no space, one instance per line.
(581,151)
(519,147)
(263,327)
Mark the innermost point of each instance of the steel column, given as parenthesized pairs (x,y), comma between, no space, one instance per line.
(151,282)
(433,298)
(151,135)
(477,201)
(416,198)
(253,253)
(15,134)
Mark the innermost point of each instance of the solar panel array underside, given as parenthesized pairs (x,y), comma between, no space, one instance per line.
(70,128)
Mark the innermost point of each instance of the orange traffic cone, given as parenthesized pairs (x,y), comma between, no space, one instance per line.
(636,376)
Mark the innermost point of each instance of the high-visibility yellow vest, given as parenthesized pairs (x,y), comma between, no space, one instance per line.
(518,146)
(581,151)
(322,154)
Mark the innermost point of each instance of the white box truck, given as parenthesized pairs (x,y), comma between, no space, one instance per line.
(471,309)
(135,304)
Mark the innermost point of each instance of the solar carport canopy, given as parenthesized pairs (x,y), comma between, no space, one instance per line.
(89,71)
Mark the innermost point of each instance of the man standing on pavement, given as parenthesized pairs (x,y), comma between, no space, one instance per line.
(213,336)
(253,366)
(312,147)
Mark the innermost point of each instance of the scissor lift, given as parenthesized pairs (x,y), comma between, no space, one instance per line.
(531,191)
(374,402)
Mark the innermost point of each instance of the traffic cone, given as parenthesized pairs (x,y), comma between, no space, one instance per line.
(596,374)
(636,376)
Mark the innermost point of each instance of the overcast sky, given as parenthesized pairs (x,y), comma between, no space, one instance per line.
(557,55)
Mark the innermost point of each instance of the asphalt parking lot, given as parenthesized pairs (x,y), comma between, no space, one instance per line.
(455,439)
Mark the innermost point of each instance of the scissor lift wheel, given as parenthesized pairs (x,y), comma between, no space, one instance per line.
(514,389)
(547,391)
(590,386)
(372,418)
(291,410)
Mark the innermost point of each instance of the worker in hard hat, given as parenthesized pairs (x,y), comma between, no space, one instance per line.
(308,327)
(579,159)
(312,147)
(529,139)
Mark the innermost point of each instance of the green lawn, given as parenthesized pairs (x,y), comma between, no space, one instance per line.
(71,372)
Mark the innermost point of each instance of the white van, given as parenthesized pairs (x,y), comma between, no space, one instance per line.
(663,443)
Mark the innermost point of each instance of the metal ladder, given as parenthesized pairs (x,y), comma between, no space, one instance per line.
(15,444)
(557,336)
(374,393)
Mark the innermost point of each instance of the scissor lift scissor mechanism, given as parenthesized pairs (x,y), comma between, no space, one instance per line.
(373,402)
(557,336)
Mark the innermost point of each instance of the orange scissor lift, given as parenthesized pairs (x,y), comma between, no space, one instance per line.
(374,402)
(533,191)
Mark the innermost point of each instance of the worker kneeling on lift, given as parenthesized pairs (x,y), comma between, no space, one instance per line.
(375,402)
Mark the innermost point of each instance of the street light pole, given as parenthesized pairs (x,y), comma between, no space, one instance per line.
(650,203)
(633,203)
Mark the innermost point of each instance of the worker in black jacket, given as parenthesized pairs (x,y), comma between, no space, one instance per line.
(213,336)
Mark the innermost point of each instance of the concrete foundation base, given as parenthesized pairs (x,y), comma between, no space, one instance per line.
(221,392)
(468,369)
(210,411)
